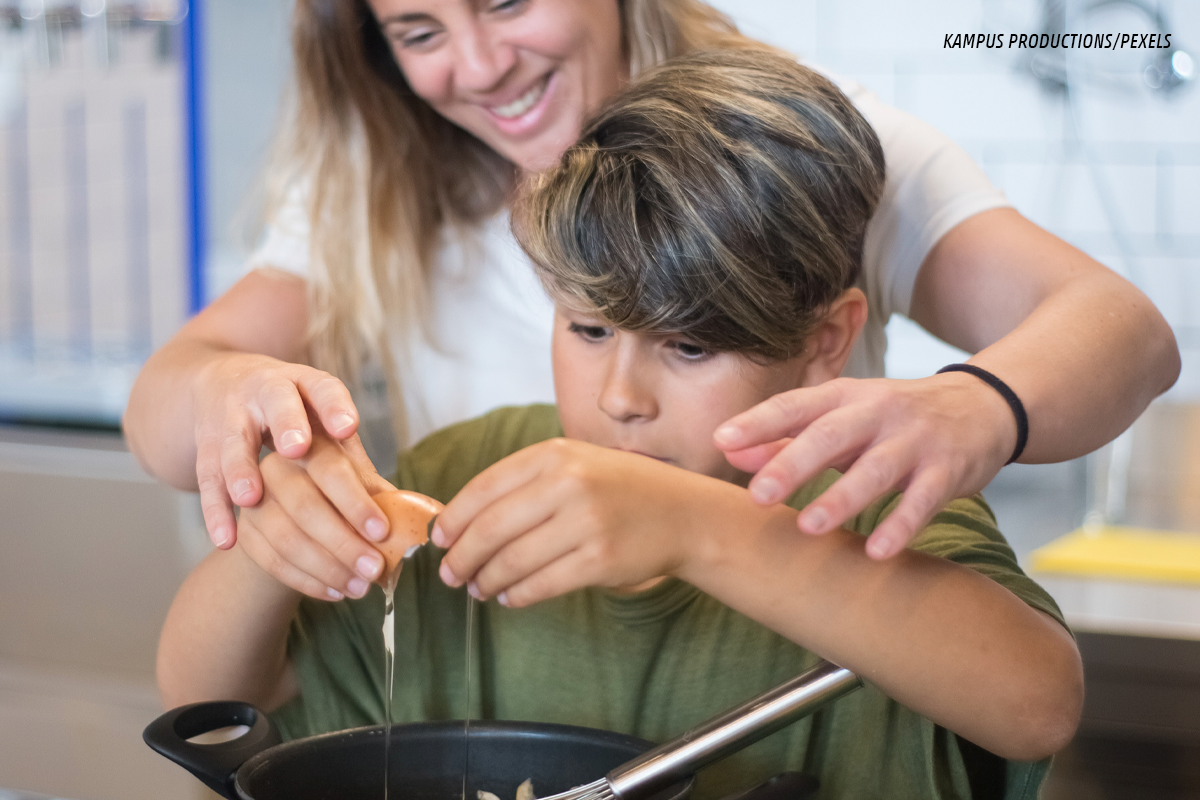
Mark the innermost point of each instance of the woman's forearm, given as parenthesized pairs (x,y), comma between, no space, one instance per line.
(935,636)
(1084,349)
(225,637)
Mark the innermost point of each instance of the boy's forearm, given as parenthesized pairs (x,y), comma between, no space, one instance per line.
(935,636)
(225,637)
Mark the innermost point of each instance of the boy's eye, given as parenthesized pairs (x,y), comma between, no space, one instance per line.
(689,351)
(507,5)
(590,333)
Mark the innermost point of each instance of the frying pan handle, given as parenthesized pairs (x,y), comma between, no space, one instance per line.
(215,764)
(736,728)
(784,786)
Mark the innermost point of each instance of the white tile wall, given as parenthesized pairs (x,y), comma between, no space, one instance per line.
(1145,147)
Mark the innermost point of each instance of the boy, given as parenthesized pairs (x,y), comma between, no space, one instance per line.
(702,244)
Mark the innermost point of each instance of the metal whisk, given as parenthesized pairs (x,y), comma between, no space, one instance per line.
(721,736)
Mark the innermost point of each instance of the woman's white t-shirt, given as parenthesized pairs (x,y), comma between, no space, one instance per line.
(492,320)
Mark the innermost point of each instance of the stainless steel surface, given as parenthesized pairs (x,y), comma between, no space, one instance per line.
(721,736)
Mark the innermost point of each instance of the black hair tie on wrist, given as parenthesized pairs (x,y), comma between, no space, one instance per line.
(1009,396)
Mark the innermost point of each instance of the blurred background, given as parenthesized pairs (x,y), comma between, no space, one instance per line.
(131,139)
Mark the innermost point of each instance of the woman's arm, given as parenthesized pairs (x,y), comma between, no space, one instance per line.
(226,383)
(1083,349)
(225,637)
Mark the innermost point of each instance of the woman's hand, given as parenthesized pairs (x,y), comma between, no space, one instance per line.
(935,439)
(305,532)
(564,514)
(243,401)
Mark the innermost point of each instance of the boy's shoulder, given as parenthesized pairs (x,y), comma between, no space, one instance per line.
(442,463)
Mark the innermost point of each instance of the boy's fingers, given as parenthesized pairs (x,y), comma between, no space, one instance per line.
(285,417)
(309,512)
(874,473)
(778,417)
(510,516)
(330,400)
(300,550)
(522,557)
(824,443)
(493,483)
(260,550)
(339,479)
(924,496)
(560,576)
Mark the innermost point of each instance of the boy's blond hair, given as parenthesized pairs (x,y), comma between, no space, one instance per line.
(724,197)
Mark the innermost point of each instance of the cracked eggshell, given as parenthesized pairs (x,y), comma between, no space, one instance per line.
(408,516)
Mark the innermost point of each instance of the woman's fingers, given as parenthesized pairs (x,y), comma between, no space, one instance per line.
(829,441)
(752,459)
(239,465)
(874,473)
(309,513)
(330,400)
(216,508)
(215,502)
(284,417)
(927,492)
(779,417)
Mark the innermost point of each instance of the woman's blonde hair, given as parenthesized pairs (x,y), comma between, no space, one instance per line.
(724,197)
(383,174)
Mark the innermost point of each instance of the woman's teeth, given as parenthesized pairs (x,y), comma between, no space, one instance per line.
(522,104)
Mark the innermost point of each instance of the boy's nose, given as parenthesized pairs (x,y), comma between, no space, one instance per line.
(625,397)
(480,62)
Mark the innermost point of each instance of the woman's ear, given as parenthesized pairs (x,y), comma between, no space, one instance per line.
(829,345)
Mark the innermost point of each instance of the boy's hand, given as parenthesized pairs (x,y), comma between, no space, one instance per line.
(564,514)
(935,439)
(308,530)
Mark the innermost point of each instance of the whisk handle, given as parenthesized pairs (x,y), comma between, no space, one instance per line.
(737,728)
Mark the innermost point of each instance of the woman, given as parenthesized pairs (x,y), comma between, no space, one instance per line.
(388,255)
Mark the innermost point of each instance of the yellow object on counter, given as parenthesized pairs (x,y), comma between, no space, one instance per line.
(1117,552)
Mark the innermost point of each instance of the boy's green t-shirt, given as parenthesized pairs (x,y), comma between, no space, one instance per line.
(651,665)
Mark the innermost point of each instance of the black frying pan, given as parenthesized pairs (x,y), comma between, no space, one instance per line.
(427,759)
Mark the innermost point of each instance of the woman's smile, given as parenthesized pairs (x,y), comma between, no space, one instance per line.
(522,76)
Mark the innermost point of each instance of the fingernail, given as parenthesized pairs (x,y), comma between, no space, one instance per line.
(814,520)
(726,434)
(242,488)
(376,529)
(291,438)
(221,537)
(437,536)
(334,594)
(369,567)
(473,590)
(765,490)
(448,576)
(502,599)
(341,422)
(878,549)
(357,587)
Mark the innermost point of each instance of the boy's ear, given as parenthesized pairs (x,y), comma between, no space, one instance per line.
(829,346)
